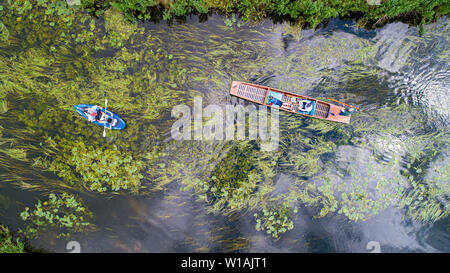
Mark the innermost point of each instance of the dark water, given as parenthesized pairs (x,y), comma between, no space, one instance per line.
(378,70)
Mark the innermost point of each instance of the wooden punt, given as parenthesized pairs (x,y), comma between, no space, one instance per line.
(289,101)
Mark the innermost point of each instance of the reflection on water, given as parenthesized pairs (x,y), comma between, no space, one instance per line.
(397,77)
(419,68)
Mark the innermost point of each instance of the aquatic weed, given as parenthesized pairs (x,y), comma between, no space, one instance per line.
(63,213)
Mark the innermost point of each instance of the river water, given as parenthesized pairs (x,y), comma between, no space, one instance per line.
(398,140)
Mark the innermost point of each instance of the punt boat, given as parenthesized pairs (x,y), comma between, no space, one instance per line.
(290,102)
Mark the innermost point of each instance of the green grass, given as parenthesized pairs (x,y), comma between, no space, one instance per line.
(311,12)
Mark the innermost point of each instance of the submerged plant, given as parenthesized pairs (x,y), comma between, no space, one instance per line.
(231,22)
(98,169)
(4,33)
(119,31)
(7,243)
(275,219)
(427,199)
(61,213)
(427,202)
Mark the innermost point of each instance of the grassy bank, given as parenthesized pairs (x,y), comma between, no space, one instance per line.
(370,13)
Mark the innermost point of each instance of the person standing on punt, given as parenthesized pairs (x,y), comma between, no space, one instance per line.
(347,111)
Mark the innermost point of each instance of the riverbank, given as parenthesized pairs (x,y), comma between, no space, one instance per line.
(369,13)
(302,13)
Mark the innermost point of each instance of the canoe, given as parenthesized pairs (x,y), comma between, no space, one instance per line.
(287,101)
(83,109)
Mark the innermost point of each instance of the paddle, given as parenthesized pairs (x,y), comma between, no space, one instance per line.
(104,126)
(344,103)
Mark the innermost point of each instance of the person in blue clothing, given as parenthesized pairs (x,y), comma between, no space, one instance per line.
(95,114)
(275,101)
(105,118)
(110,122)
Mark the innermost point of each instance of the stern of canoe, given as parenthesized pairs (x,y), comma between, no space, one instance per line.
(121,125)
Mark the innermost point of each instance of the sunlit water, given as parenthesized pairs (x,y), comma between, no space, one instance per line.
(374,70)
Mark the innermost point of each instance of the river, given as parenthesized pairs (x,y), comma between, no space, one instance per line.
(341,186)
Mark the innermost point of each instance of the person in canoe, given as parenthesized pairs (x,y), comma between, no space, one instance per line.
(103,118)
(347,111)
(275,101)
(89,110)
(110,122)
(100,116)
(95,113)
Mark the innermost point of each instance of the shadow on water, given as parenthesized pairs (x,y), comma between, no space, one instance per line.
(398,78)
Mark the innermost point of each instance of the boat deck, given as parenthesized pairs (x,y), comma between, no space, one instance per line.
(252,93)
(322,109)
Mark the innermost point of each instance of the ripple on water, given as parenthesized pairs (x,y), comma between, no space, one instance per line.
(418,68)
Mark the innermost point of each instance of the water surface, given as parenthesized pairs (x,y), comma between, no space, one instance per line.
(398,78)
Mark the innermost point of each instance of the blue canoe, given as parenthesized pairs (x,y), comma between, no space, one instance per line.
(118,122)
